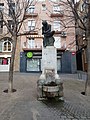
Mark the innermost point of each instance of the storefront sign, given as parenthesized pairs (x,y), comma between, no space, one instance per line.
(29,55)
(73,53)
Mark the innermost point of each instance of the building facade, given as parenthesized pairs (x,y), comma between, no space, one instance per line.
(28,56)
(81,39)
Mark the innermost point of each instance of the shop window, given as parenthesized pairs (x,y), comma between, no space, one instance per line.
(58,64)
(4,61)
(33,65)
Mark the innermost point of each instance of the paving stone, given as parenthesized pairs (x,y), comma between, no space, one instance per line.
(63,116)
(23,105)
(84,119)
(70,117)
(74,119)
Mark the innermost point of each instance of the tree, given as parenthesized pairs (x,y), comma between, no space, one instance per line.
(81,23)
(82,19)
(17,10)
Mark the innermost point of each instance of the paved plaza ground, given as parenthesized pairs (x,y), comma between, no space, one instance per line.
(23,104)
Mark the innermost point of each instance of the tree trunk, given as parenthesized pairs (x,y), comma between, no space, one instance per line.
(10,89)
(88,44)
(88,54)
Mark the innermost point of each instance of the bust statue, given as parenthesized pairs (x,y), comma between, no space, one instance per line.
(48,39)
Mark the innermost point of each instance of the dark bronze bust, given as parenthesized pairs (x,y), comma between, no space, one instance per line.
(48,39)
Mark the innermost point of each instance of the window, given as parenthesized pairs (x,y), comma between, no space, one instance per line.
(30,1)
(1,10)
(31,43)
(56,9)
(31,25)
(43,7)
(1,6)
(7,46)
(11,24)
(33,64)
(31,9)
(40,0)
(4,61)
(55,0)
(12,9)
(56,25)
(1,27)
(57,42)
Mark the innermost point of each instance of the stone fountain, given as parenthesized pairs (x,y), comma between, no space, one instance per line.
(49,84)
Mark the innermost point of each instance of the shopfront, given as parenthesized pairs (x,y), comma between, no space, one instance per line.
(4,63)
(33,65)
(30,61)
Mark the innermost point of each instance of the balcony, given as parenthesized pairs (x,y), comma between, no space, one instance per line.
(57,14)
(62,33)
(57,32)
(27,32)
(31,15)
(36,47)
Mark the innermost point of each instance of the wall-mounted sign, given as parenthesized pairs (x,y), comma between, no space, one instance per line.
(29,54)
(73,53)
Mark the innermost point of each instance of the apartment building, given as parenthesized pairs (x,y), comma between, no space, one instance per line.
(30,42)
(81,40)
(6,38)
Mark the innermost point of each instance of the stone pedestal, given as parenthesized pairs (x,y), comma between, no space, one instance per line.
(49,60)
(49,83)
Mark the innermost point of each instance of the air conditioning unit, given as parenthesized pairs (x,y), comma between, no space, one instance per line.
(63,34)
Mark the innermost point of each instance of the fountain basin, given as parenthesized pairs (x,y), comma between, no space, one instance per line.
(50,88)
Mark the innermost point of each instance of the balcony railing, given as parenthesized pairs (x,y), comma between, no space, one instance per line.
(31,15)
(62,33)
(57,14)
(33,32)
(35,45)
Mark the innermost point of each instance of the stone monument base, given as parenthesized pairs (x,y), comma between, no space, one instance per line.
(49,84)
(49,87)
